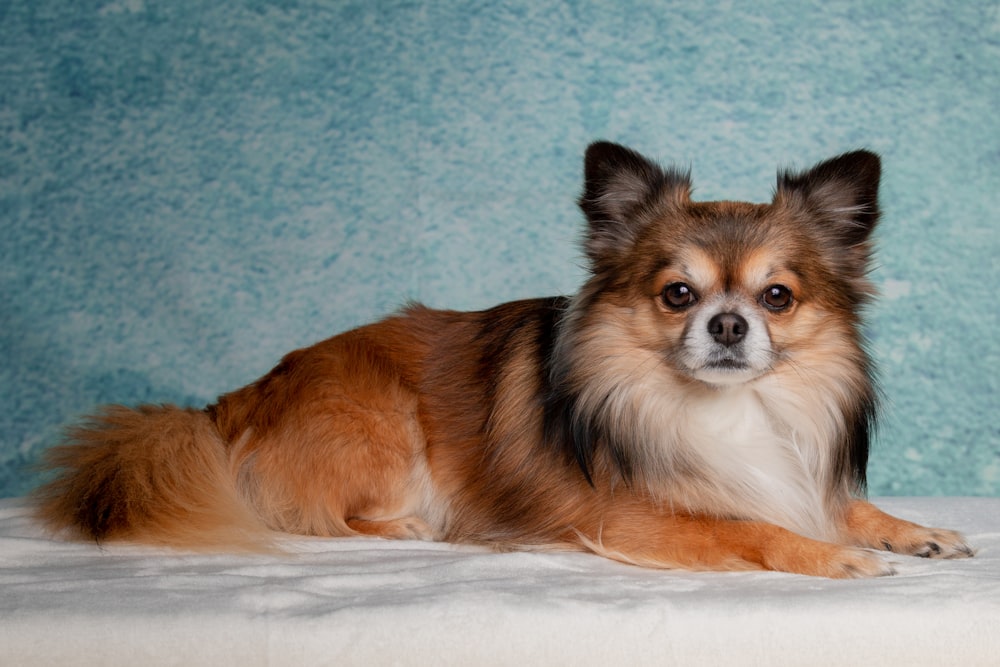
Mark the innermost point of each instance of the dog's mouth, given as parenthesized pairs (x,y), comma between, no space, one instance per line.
(728,364)
(727,370)
(727,359)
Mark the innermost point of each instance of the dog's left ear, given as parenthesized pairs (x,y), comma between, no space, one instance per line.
(841,193)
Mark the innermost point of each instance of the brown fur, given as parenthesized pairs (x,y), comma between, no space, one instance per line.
(537,424)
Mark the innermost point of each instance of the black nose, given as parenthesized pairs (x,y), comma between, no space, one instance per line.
(727,328)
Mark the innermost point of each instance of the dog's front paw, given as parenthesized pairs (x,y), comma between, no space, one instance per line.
(821,559)
(858,563)
(931,543)
(868,526)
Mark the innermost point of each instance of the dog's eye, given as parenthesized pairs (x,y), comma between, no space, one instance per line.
(776,297)
(678,296)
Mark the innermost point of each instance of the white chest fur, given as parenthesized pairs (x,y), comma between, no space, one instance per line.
(742,460)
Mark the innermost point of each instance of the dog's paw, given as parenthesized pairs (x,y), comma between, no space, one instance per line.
(932,543)
(801,555)
(836,562)
(853,563)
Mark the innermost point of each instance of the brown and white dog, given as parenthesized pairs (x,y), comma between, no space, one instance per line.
(704,401)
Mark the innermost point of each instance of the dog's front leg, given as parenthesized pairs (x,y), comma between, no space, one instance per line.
(650,539)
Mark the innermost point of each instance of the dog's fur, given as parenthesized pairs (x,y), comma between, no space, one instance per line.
(704,401)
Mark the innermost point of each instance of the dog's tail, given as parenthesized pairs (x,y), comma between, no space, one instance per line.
(155,474)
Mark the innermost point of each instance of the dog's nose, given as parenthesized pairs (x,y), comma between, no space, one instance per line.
(727,328)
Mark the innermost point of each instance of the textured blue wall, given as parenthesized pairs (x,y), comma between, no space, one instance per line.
(190,189)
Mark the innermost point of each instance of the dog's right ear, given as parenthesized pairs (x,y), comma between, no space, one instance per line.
(620,191)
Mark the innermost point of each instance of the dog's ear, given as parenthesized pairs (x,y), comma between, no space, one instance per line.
(621,190)
(841,194)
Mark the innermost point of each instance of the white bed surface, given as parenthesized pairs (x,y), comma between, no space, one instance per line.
(377,602)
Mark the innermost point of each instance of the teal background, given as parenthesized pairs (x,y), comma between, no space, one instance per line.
(190,189)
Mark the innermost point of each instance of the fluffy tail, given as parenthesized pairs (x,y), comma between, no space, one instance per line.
(154,474)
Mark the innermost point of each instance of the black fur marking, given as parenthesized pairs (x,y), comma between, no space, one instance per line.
(579,436)
(496,350)
(501,328)
(565,431)
(607,436)
(563,428)
(857,440)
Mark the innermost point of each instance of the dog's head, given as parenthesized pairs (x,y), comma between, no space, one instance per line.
(726,292)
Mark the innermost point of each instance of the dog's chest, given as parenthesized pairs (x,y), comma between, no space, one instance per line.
(733,425)
(756,463)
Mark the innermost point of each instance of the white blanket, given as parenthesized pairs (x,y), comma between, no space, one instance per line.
(376,602)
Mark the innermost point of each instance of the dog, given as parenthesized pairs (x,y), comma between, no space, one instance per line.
(705,401)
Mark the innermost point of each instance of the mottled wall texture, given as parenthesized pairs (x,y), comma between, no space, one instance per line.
(190,189)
